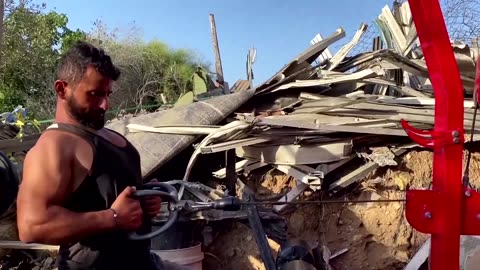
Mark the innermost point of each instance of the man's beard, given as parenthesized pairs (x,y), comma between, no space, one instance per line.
(94,119)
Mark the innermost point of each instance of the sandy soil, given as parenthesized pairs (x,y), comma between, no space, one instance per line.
(376,235)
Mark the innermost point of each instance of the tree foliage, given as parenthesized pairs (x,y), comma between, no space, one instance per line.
(32,43)
(149,69)
(34,39)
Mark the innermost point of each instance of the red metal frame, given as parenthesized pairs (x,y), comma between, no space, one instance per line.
(449,209)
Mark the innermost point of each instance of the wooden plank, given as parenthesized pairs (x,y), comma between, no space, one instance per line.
(418,68)
(21,245)
(393,116)
(216,50)
(292,119)
(406,90)
(224,146)
(374,71)
(426,101)
(342,53)
(373,110)
(301,63)
(17,145)
(394,29)
(384,105)
(379,129)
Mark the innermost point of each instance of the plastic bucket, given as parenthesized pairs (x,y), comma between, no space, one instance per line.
(191,257)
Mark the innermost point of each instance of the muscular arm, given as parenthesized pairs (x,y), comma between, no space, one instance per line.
(47,179)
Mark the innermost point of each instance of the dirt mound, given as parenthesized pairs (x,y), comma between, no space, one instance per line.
(377,235)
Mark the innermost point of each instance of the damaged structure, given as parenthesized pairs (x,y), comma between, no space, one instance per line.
(327,121)
(324,127)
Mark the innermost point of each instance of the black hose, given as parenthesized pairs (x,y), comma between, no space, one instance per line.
(170,196)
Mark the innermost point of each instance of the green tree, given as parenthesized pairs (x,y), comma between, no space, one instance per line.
(32,43)
(149,69)
(34,39)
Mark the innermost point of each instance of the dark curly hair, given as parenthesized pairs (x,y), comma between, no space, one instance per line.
(74,62)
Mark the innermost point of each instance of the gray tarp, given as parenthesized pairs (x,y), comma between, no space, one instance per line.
(156,149)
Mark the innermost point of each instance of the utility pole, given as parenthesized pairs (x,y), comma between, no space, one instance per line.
(230,158)
(216,50)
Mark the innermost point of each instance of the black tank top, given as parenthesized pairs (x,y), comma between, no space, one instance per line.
(113,169)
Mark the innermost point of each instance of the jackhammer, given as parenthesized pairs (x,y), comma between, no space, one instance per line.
(293,255)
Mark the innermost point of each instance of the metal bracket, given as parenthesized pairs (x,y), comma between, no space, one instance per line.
(432,138)
(425,214)
(444,211)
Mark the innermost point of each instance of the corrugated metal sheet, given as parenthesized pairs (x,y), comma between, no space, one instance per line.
(156,149)
(240,85)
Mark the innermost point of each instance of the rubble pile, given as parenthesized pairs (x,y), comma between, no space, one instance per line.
(327,123)
(322,124)
(331,122)
(318,115)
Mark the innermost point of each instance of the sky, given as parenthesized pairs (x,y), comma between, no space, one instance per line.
(279,30)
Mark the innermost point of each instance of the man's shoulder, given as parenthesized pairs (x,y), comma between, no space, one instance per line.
(54,142)
(55,137)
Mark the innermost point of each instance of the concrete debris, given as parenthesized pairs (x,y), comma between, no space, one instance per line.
(383,156)
(336,106)
(327,120)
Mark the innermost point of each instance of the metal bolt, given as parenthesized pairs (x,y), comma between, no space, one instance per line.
(428,215)
(455,133)
(478,217)
(468,193)
(456,140)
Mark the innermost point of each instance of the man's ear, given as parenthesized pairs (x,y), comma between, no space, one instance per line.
(61,88)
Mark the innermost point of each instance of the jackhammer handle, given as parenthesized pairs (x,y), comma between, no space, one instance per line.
(159,185)
(167,196)
(162,194)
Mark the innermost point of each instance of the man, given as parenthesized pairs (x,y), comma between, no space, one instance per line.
(79,178)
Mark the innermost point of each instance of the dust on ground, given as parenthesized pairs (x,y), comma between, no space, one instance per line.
(377,235)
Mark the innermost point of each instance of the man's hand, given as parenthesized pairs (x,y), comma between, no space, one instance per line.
(128,209)
(152,204)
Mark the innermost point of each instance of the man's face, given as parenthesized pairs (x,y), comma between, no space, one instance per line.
(88,101)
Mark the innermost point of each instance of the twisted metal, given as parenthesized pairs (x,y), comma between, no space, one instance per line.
(462,18)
